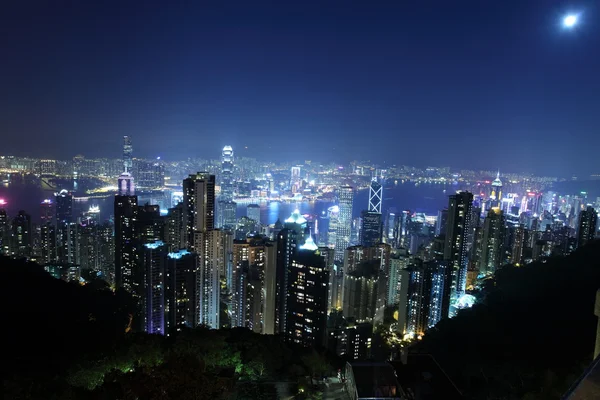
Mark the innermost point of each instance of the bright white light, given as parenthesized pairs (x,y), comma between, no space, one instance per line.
(570,21)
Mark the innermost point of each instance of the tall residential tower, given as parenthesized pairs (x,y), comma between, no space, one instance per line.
(456,245)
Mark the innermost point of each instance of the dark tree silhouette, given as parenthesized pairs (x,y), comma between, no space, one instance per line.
(531,336)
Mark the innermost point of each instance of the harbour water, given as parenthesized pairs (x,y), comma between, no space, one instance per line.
(426,198)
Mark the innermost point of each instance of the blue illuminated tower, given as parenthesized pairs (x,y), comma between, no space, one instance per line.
(344,222)
(456,245)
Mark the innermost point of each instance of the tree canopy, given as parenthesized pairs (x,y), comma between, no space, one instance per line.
(69,340)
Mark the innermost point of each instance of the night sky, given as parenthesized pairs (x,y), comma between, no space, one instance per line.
(469,84)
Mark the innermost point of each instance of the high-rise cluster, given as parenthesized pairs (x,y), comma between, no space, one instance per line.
(204,249)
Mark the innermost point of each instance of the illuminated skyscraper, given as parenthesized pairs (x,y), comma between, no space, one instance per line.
(127,154)
(456,244)
(518,244)
(153,286)
(64,207)
(428,295)
(212,252)
(333,214)
(47,213)
(360,292)
(496,193)
(125,186)
(492,242)
(295,179)
(588,220)
(226,211)
(198,205)
(442,222)
(126,233)
(5,231)
(254,295)
(344,225)
(227,174)
(89,240)
(47,231)
(66,228)
(286,242)
(375,196)
(48,243)
(370,232)
(22,239)
(226,207)
(307,298)
(180,291)
(174,228)
(253,212)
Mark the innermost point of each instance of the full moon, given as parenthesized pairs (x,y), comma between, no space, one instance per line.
(570,21)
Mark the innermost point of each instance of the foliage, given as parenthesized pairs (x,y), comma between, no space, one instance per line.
(316,364)
(253,390)
(86,351)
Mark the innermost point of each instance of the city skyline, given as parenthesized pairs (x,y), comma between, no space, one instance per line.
(312,78)
(214,160)
(300,200)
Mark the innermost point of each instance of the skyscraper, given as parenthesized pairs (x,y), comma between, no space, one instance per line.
(64,207)
(307,299)
(344,223)
(150,224)
(360,292)
(48,243)
(253,212)
(442,222)
(254,294)
(518,244)
(22,239)
(47,213)
(492,241)
(456,245)
(375,196)
(226,207)
(370,232)
(285,242)
(227,174)
(127,154)
(5,230)
(212,248)
(428,297)
(153,287)
(588,220)
(496,192)
(180,292)
(125,186)
(66,229)
(47,231)
(126,252)
(198,205)
(226,218)
(174,228)
(295,179)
